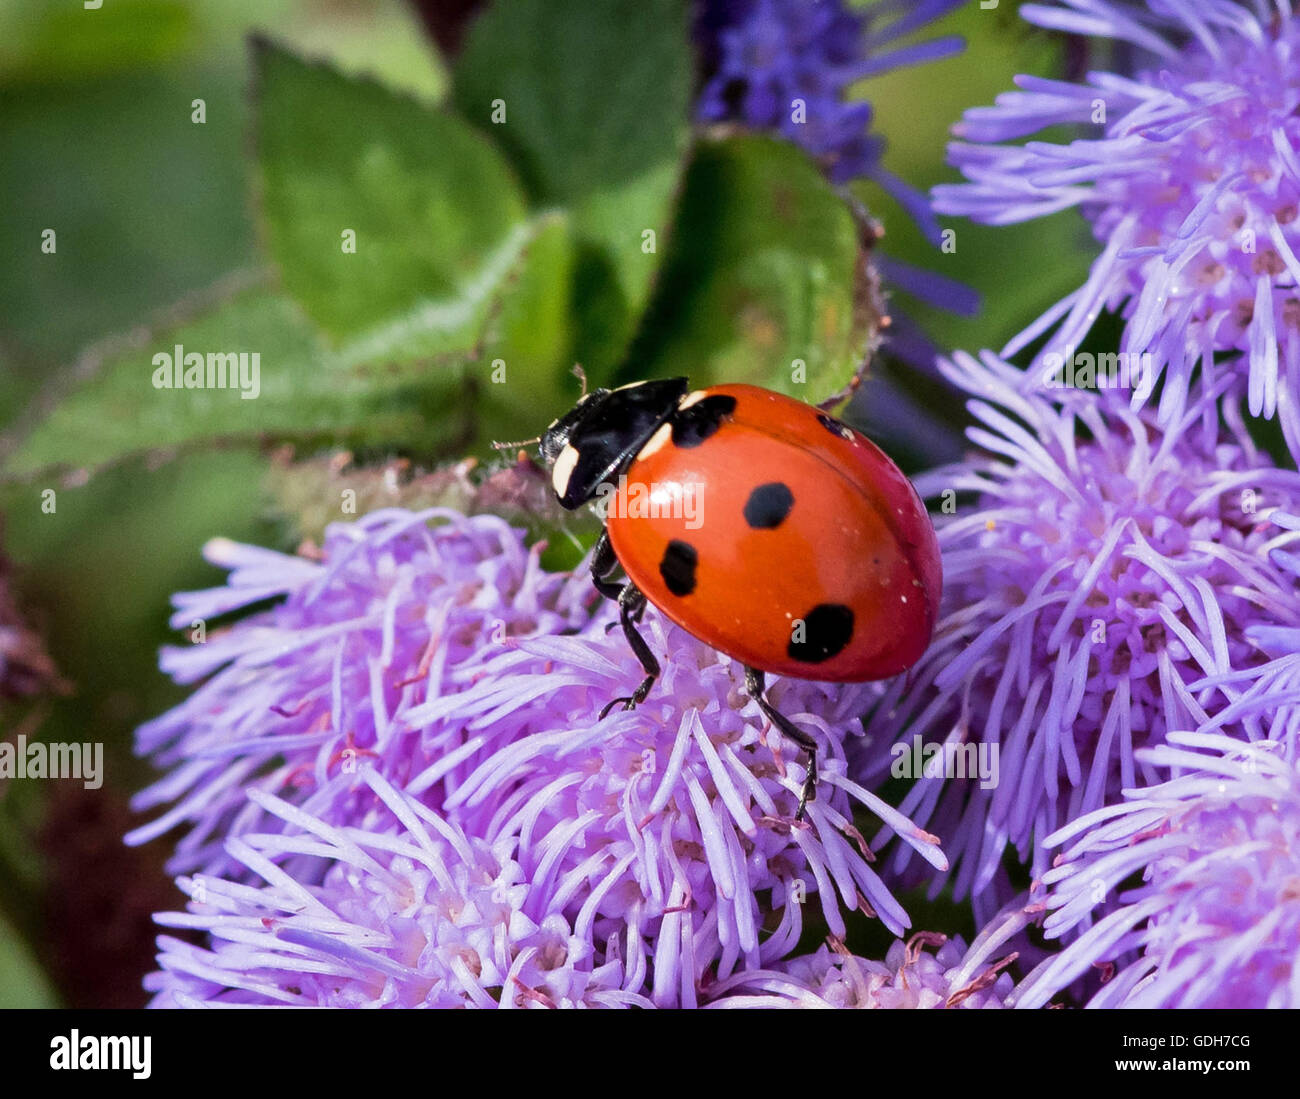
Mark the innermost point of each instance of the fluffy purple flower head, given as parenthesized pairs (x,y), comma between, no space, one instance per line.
(1216,919)
(1263,701)
(1190,177)
(407,912)
(785,66)
(910,977)
(671,826)
(397,608)
(440,662)
(1105,569)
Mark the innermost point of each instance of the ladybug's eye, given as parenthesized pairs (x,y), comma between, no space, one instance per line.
(561,431)
(552,444)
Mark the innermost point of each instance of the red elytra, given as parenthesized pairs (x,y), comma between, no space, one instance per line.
(806,551)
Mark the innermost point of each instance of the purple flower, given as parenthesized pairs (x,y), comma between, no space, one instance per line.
(1216,919)
(1190,177)
(1264,699)
(671,825)
(407,912)
(1104,569)
(786,66)
(394,613)
(441,663)
(910,976)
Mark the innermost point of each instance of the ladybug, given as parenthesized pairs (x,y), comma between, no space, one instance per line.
(764,526)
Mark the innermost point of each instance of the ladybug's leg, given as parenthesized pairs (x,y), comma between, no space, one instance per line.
(756,686)
(603,562)
(631,604)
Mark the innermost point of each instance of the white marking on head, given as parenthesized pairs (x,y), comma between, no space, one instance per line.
(691,398)
(656,441)
(563,469)
(630,385)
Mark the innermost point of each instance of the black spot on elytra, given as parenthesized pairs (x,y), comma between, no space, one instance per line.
(827,628)
(678,567)
(691,426)
(834,426)
(768,505)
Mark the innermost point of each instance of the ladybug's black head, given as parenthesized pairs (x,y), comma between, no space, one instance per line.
(598,438)
(556,437)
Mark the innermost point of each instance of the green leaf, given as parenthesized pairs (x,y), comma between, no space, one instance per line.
(306,392)
(596,109)
(432,204)
(766,281)
(518,314)
(148,229)
(22,983)
(451,327)
(46,40)
(522,376)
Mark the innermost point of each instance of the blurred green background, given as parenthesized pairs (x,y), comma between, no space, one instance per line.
(213,231)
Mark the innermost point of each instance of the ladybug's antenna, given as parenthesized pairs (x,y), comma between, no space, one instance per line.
(521,442)
(578,373)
